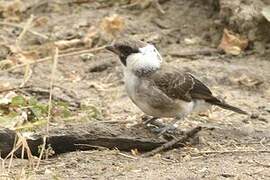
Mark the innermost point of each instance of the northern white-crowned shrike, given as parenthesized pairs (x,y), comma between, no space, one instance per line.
(158,89)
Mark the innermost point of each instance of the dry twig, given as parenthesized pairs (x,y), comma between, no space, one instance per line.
(126,155)
(20,143)
(191,53)
(54,66)
(158,6)
(231,152)
(41,152)
(14,89)
(25,29)
(261,164)
(171,143)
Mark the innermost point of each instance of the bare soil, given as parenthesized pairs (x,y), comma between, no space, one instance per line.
(234,147)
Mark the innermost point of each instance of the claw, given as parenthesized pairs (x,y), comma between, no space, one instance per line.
(167,129)
(160,128)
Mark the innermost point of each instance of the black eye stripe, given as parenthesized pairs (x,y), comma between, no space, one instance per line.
(127,50)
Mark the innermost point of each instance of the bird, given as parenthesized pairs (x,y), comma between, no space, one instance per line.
(159,89)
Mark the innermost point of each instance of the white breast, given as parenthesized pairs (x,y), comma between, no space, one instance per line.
(131,83)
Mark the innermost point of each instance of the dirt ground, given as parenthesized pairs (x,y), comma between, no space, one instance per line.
(238,147)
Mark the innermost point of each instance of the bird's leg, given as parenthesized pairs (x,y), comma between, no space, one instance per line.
(154,125)
(150,120)
(171,127)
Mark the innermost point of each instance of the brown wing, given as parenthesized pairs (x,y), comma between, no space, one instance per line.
(185,86)
(199,90)
(182,86)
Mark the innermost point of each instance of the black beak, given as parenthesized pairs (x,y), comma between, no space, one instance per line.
(112,49)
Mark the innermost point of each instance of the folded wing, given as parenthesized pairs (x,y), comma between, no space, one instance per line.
(184,86)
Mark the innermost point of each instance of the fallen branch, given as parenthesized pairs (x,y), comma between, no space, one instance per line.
(173,142)
(85,137)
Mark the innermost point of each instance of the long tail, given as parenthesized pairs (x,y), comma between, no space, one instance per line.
(224,105)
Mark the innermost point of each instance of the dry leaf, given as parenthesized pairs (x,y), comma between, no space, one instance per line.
(7,98)
(233,43)
(40,21)
(11,10)
(27,56)
(23,57)
(19,56)
(112,25)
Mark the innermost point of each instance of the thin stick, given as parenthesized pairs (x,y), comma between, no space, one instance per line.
(186,54)
(2,169)
(28,71)
(27,75)
(158,6)
(92,146)
(49,58)
(28,30)
(171,143)
(126,155)
(261,164)
(26,147)
(25,29)
(42,151)
(232,151)
(16,146)
(15,89)
(54,66)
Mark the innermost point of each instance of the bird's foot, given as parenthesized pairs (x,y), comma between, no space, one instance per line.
(160,128)
(169,129)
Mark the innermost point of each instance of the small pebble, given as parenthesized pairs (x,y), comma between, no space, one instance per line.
(254,116)
(87,56)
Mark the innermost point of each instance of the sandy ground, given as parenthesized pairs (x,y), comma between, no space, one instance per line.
(237,148)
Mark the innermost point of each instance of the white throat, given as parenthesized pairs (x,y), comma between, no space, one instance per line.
(147,60)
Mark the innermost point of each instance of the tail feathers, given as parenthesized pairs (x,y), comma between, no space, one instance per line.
(224,105)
